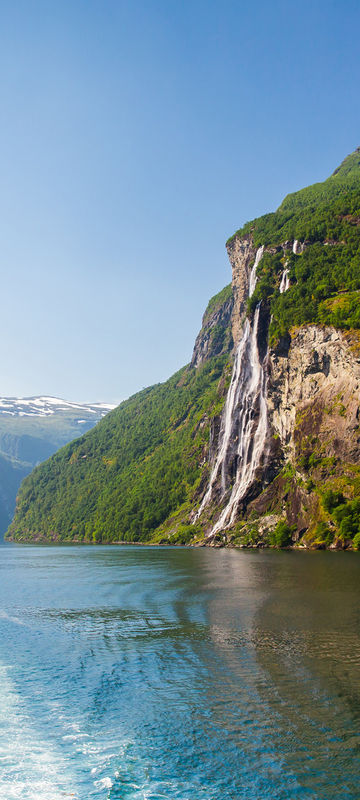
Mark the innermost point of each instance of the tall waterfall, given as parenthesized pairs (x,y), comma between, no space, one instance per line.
(244,420)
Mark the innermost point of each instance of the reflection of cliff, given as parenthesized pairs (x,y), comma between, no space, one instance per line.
(285,656)
(309,671)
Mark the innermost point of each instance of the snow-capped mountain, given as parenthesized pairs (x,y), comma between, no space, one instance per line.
(46,406)
(31,430)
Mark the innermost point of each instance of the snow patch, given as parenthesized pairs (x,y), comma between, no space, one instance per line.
(45,406)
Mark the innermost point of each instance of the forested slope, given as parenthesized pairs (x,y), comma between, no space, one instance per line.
(124,478)
(144,469)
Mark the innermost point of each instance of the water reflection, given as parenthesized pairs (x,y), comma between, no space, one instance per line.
(308,650)
(175,673)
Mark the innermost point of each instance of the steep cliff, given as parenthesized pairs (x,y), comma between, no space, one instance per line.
(242,254)
(256,442)
(215,337)
(314,416)
(280,448)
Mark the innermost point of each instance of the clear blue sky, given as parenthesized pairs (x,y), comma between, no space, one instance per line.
(135,137)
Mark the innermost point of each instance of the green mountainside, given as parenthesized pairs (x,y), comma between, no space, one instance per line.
(328,213)
(12,472)
(139,465)
(31,430)
(142,471)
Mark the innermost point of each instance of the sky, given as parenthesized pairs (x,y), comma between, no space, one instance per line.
(136,136)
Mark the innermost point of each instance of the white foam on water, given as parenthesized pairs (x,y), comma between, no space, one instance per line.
(96,757)
(10,618)
(30,767)
(104,783)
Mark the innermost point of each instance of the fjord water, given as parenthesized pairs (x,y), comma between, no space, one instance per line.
(180,674)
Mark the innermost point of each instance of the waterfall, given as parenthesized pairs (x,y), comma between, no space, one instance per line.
(285,283)
(251,424)
(253,276)
(231,402)
(244,419)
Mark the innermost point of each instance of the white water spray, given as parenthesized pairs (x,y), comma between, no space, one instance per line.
(285,282)
(244,419)
(251,426)
(32,768)
(253,276)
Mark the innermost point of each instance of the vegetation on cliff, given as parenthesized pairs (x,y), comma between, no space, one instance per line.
(30,432)
(319,212)
(137,467)
(138,475)
(325,277)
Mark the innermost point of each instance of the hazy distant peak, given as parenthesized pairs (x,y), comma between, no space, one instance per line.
(45,406)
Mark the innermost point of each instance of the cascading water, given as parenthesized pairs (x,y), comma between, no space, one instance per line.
(251,424)
(253,276)
(244,419)
(285,282)
(227,421)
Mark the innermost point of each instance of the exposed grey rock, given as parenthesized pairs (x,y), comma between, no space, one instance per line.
(214,337)
(320,368)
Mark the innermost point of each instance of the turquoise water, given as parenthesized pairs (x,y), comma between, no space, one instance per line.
(180,674)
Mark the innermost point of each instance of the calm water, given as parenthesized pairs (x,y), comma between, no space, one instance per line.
(172,673)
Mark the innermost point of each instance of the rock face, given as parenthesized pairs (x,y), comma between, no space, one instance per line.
(314,367)
(214,337)
(314,414)
(257,442)
(312,405)
(242,254)
(319,374)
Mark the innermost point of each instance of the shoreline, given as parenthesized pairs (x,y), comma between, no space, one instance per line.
(196,546)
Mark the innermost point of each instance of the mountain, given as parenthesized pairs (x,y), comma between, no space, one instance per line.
(31,430)
(256,441)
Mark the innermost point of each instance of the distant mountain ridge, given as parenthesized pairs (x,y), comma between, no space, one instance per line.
(44,406)
(31,430)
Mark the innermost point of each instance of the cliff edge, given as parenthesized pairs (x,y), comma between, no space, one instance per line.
(256,441)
